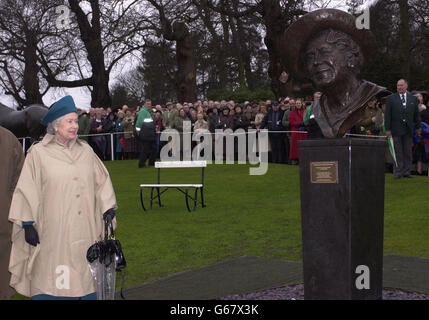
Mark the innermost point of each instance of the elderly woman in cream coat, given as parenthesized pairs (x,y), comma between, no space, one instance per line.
(62,196)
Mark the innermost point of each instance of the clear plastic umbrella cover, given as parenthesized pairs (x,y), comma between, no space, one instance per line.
(104,259)
(105,279)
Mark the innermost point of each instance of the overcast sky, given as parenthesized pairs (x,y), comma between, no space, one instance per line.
(82,96)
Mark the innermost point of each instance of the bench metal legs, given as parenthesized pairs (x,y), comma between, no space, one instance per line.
(202,198)
(151,197)
(195,198)
(186,193)
(141,198)
(186,199)
(157,196)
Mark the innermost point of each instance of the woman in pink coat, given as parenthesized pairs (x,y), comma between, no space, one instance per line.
(295,119)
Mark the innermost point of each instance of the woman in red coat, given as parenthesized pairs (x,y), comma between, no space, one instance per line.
(295,119)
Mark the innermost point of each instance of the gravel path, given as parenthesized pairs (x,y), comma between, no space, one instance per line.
(297,293)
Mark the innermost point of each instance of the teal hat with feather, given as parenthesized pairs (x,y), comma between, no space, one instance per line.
(60,108)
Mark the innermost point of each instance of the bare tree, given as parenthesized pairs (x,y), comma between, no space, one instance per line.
(109,31)
(419,11)
(179,32)
(313,5)
(220,39)
(276,16)
(24,25)
(405,38)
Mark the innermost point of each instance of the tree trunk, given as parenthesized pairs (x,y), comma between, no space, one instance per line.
(237,51)
(220,45)
(222,66)
(245,55)
(250,79)
(91,37)
(241,49)
(186,83)
(275,28)
(221,70)
(31,71)
(100,95)
(404,38)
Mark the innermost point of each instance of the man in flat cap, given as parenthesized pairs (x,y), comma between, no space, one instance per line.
(325,46)
(273,122)
(169,115)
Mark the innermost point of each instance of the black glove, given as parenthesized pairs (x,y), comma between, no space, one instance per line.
(109,215)
(31,236)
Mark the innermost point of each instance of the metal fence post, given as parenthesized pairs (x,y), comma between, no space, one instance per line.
(112,147)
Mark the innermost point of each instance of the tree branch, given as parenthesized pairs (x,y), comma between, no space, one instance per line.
(222,10)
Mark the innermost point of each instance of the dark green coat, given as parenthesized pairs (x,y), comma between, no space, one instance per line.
(84,126)
(401,120)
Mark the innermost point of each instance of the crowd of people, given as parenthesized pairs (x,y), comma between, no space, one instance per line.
(288,120)
(276,116)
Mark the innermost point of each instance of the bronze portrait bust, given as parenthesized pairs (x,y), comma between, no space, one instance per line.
(325,47)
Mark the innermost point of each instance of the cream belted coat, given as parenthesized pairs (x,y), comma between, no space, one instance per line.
(65,191)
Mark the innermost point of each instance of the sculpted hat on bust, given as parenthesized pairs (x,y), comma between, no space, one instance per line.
(300,32)
(60,108)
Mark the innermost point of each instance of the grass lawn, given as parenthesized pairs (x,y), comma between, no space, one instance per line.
(253,215)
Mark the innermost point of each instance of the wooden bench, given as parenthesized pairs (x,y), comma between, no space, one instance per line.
(184,188)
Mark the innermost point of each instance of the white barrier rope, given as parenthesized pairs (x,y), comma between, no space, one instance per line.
(223,133)
(365,135)
(266,132)
(208,132)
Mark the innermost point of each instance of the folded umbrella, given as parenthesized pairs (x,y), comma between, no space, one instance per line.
(390,144)
(105,258)
(392,149)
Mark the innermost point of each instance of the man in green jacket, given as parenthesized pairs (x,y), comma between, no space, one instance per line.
(290,106)
(310,122)
(145,128)
(308,112)
(401,115)
(143,114)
